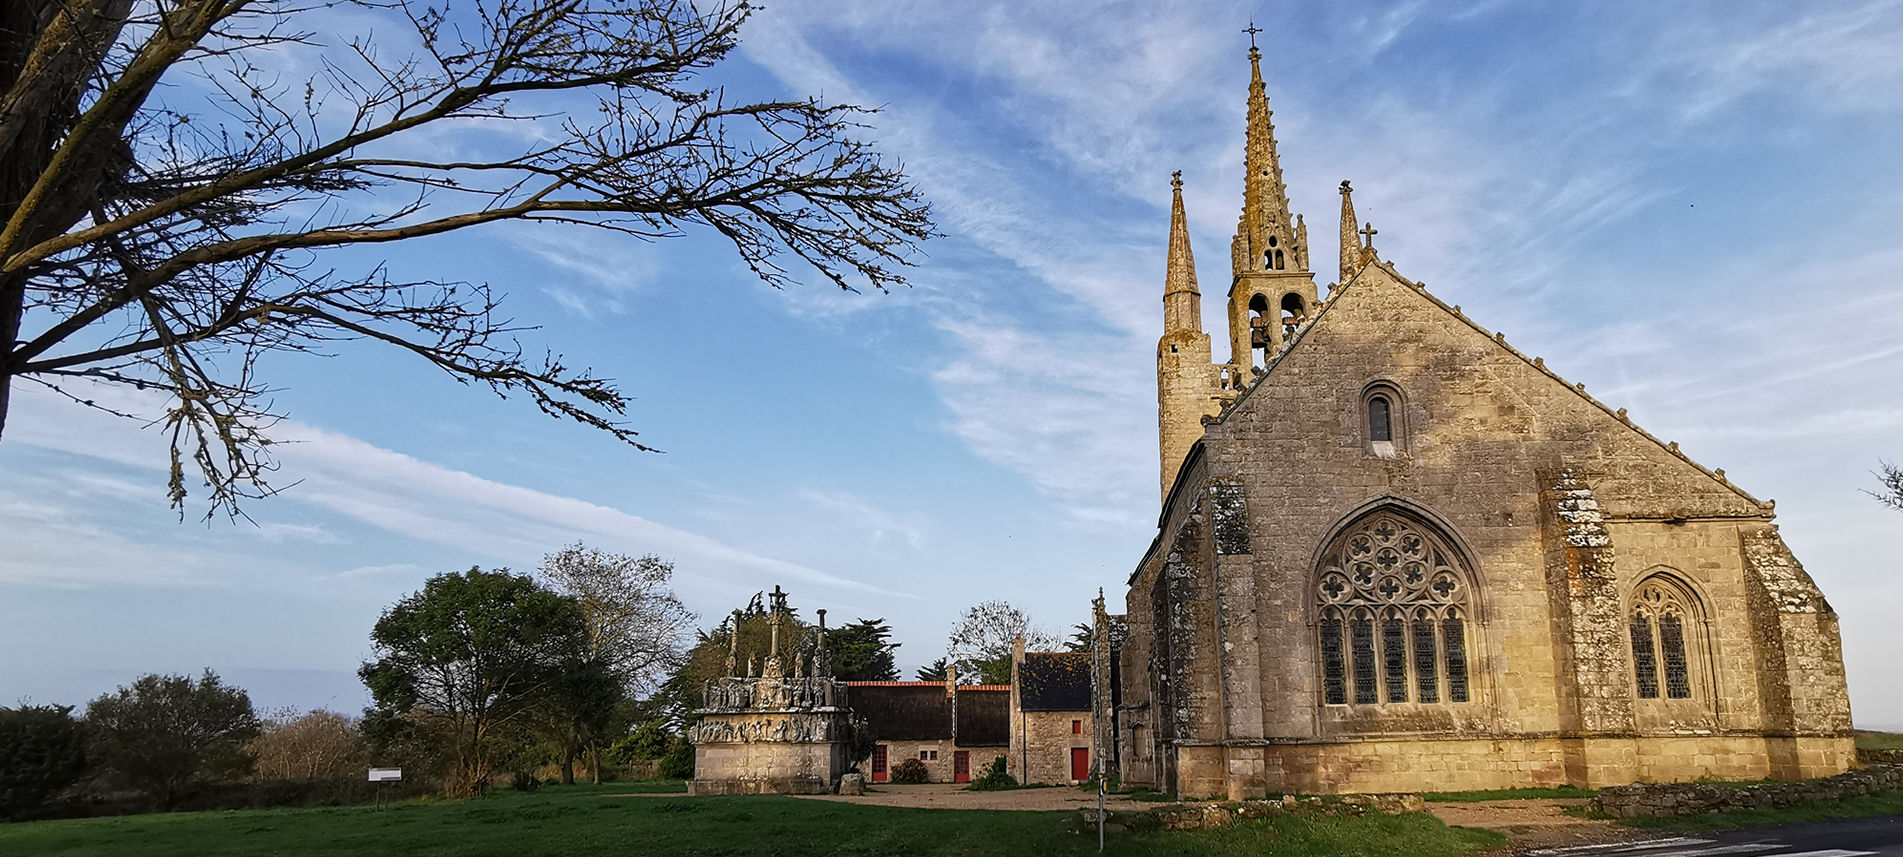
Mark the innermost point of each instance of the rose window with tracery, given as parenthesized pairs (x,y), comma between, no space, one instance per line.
(1393,612)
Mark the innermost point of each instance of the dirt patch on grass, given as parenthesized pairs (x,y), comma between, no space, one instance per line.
(1532,823)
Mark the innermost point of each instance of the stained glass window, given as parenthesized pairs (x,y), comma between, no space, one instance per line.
(1426,661)
(1678,683)
(1454,638)
(1334,679)
(1664,612)
(1394,657)
(1393,567)
(1644,664)
(1361,629)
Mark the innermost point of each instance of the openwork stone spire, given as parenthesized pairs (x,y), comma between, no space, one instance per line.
(1182,302)
(1265,234)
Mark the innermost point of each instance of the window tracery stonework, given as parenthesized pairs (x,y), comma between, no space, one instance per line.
(1661,615)
(1398,594)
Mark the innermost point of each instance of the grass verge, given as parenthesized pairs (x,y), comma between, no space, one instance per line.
(1869,740)
(561,821)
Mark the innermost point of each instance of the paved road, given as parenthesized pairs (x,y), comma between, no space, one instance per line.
(1861,837)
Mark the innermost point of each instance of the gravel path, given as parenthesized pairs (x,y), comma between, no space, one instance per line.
(952,796)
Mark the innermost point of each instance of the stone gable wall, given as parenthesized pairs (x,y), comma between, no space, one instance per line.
(1485,433)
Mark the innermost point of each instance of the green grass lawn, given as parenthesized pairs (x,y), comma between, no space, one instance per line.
(562,821)
(1879,740)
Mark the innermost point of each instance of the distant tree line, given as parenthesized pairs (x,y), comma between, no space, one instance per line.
(479,678)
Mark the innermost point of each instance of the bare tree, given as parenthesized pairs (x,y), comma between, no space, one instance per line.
(981,640)
(1891,494)
(635,629)
(310,745)
(173,171)
(636,625)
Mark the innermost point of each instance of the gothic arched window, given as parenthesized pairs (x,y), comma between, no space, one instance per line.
(1380,419)
(1393,611)
(1663,616)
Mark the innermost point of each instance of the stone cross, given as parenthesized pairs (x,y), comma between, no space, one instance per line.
(1368,232)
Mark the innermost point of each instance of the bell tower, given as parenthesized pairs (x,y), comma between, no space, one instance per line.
(1272,289)
(1187,380)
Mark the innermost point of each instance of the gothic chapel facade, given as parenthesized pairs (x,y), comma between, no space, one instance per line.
(1397,554)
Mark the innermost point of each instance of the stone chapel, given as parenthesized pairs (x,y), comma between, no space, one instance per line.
(1397,554)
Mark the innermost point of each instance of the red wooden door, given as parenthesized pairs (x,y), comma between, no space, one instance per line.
(1080,763)
(961,766)
(879,773)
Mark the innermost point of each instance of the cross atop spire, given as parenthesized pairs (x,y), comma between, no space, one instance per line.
(1368,232)
(1265,234)
(1252,30)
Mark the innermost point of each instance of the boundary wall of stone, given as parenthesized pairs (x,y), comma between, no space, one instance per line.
(1867,756)
(1642,799)
(1205,816)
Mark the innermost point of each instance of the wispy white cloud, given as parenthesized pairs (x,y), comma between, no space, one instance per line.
(398,493)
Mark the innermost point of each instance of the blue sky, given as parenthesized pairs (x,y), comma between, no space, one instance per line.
(1691,208)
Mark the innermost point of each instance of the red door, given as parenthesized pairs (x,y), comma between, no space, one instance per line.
(879,774)
(1079,763)
(961,766)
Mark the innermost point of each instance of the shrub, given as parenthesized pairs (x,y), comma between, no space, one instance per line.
(314,745)
(42,751)
(910,771)
(167,735)
(994,779)
(525,782)
(678,764)
(648,742)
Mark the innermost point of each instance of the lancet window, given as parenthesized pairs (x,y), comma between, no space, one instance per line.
(1663,616)
(1393,610)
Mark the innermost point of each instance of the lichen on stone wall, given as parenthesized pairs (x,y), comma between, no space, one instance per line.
(1230,517)
(1791,590)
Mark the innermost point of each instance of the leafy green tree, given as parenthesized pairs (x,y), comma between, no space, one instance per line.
(863,651)
(179,178)
(934,671)
(166,734)
(42,752)
(471,657)
(635,628)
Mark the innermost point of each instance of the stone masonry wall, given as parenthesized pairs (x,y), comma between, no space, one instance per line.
(1478,422)
(1693,798)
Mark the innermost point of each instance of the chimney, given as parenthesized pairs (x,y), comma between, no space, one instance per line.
(951,679)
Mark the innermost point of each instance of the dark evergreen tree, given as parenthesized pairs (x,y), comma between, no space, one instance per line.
(862,651)
(42,751)
(934,671)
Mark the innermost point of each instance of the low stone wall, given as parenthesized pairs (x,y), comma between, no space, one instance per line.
(1867,756)
(1693,798)
(1202,816)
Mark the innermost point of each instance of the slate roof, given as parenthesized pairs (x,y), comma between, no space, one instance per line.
(902,711)
(984,716)
(920,711)
(1054,681)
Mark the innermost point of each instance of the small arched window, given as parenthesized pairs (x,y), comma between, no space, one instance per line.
(1664,616)
(1380,419)
(1383,420)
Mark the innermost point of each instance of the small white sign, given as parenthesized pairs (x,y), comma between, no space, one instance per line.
(386,775)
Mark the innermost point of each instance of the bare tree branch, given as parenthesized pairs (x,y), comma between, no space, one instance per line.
(169,189)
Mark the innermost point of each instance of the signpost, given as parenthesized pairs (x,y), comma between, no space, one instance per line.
(383,776)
